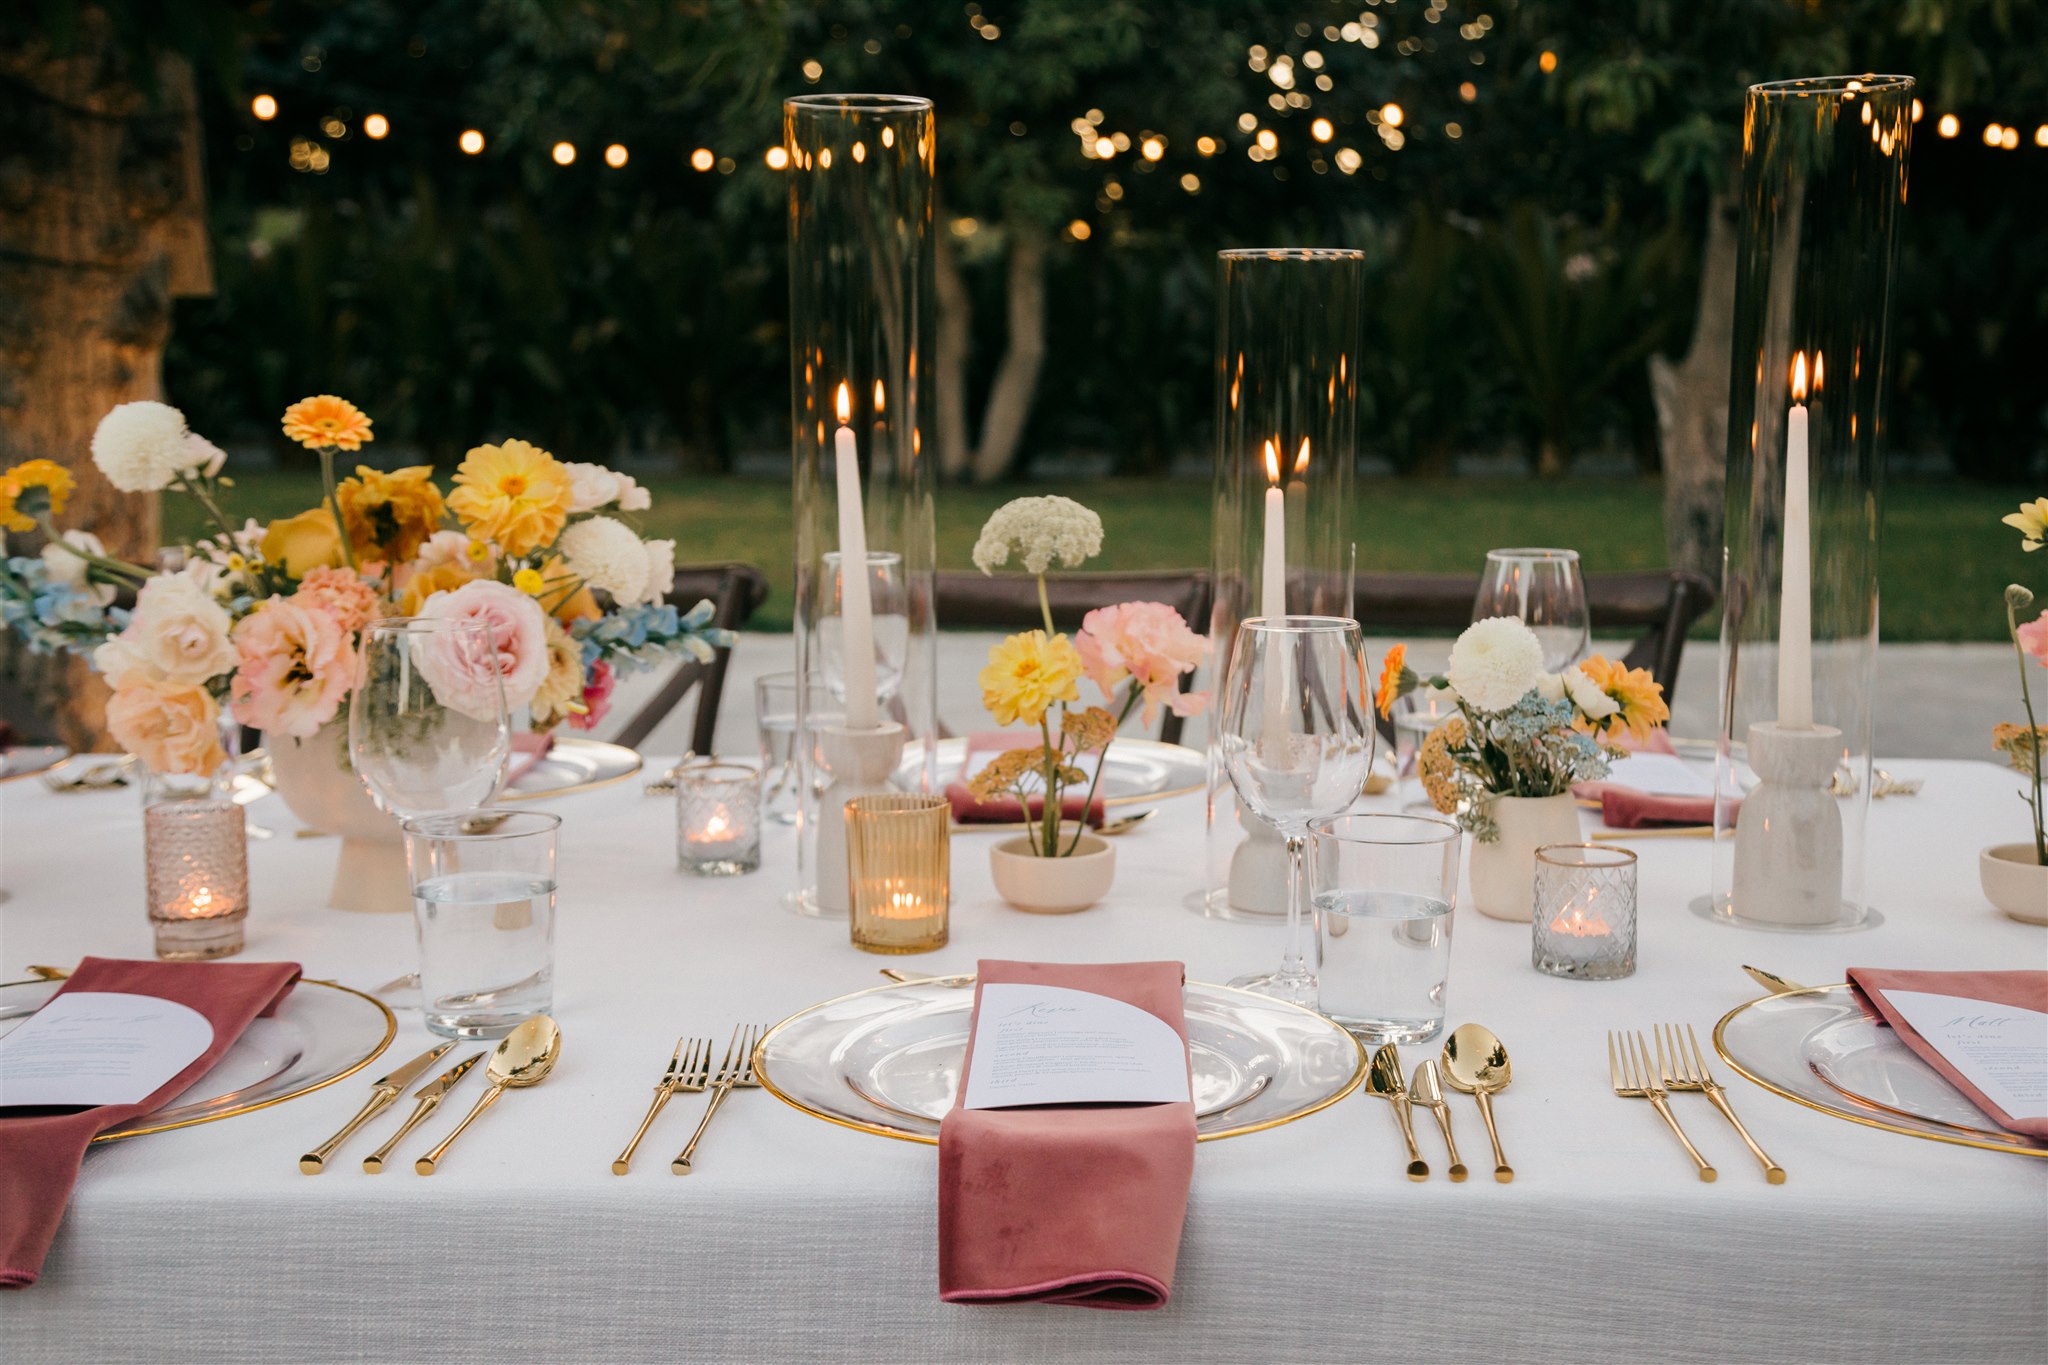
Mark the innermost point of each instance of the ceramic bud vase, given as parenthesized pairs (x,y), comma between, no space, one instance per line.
(1503,877)
(318,783)
(1053,886)
(2015,881)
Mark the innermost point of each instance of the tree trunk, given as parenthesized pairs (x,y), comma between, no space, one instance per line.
(1016,381)
(101,225)
(1692,407)
(952,344)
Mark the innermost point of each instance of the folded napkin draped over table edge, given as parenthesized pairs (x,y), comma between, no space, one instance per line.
(1067,1204)
(2021,990)
(41,1150)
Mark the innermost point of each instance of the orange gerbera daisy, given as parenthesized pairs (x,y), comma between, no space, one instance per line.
(325,420)
(31,489)
(1391,669)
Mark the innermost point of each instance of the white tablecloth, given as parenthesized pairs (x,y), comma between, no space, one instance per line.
(799,1241)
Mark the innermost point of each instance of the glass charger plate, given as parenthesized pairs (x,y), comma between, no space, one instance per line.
(1138,769)
(574,765)
(322,1033)
(26,760)
(1816,1047)
(887,1060)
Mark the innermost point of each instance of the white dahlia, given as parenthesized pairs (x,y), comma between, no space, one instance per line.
(605,554)
(661,569)
(1495,663)
(1039,530)
(141,447)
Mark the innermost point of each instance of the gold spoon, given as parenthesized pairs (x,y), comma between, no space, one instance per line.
(523,1058)
(1477,1064)
(1772,982)
(1385,1081)
(1428,1092)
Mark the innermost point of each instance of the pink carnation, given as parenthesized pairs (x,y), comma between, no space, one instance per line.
(469,681)
(597,696)
(294,667)
(1150,644)
(2033,638)
(341,593)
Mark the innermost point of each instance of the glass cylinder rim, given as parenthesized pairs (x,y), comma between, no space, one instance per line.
(718,773)
(1442,831)
(874,557)
(1585,855)
(449,824)
(409,623)
(1535,552)
(1291,253)
(1299,625)
(1832,87)
(885,805)
(858,104)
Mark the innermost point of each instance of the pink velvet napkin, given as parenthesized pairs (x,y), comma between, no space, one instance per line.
(1077,1204)
(2021,990)
(41,1149)
(1627,808)
(528,749)
(1008,810)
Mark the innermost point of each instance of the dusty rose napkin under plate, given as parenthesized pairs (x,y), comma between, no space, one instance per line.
(42,1149)
(1008,810)
(1076,1204)
(528,749)
(2023,990)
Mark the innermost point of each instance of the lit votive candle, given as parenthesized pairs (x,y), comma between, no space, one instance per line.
(718,820)
(196,860)
(1585,921)
(899,869)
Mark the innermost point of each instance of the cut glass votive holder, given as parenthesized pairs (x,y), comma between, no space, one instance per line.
(718,819)
(196,861)
(899,866)
(1585,921)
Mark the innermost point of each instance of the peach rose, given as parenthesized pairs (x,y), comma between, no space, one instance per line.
(296,667)
(177,634)
(171,727)
(468,681)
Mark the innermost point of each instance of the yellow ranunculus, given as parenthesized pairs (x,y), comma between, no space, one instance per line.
(304,542)
(1028,673)
(389,516)
(446,577)
(515,495)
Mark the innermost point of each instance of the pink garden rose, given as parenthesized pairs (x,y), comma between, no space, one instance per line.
(171,727)
(341,593)
(465,680)
(1150,644)
(294,667)
(597,696)
(2033,638)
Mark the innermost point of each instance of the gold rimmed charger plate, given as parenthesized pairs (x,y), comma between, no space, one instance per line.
(1136,770)
(316,1038)
(574,765)
(26,760)
(1767,1040)
(887,1060)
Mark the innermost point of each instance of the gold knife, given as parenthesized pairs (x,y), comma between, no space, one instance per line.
(429,1097)
(381,1096)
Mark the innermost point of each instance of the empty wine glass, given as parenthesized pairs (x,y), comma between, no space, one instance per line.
(1543,588)
(1297,746)
(889,604)
(427,729)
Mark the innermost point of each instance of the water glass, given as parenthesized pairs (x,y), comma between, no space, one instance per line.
(427,727)
(1585,922)
(483,888)
(1543,588)
(1415,715)
(889,605)
(777,700)
(1385,887)
(718,819)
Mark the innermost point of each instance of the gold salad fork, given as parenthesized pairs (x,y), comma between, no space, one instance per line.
(1689,1072)
(1635,1080)
(737,1069)
(689,1073)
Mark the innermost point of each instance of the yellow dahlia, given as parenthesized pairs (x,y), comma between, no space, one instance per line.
(325,420)
(389,516)
(516,495)
(303,543)
(33,488)
(1028,673)
(443,577)
(1632,689)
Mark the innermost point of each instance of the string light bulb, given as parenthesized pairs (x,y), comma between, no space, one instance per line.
(1152,148)
(471,141)
(264,107)
(615,155)
(1391,115)
(777,158)
(1079,230)
(1322,130)
(1949,126)
(376,127)
(702,159)
(564,153)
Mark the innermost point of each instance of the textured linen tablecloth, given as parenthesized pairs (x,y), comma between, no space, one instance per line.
(800,1241)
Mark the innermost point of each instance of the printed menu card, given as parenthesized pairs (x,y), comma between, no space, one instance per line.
(99,1047)
(1037,1044)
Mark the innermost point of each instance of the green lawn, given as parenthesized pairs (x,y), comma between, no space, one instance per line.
(1946,558)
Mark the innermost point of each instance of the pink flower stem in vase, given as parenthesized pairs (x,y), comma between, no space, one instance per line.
(2033,731)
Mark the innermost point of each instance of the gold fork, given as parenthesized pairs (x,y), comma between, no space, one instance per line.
(691,1074)
(1634,1080)
(737,1069)
(1685,1072)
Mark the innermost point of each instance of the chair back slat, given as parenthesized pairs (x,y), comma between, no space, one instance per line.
(736,591)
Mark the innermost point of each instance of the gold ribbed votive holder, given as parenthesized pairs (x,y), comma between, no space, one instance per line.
(899,864)
(196,857)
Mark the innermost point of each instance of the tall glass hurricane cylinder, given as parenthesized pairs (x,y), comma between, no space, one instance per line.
(1823,192)
(1289,326)
(860,295)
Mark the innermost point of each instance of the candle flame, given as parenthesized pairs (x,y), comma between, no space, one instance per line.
(202,899)
(1272,463)
(1799,376)
(1816,372)
(1301,460)
(845,404)
(878,398)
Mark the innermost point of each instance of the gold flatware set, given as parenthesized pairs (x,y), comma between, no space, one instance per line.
(1651,1069)
(1473,1062)
(690,1072)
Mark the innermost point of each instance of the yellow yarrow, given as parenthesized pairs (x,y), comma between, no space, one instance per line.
(530,582)
(33,488)
(1027,673)
(515,495)
(389,516)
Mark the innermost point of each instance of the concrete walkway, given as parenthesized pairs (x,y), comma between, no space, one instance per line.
(1933,700)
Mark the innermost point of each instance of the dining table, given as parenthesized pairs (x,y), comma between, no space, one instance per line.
(799,1240)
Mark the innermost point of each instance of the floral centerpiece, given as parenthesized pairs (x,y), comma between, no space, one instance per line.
(2015,876)
(1505,763)
(263,621)
(1135,653)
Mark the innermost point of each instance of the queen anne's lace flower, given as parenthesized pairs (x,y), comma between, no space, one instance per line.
(605,554)
(1038,530)
(142,447)
(1495,663)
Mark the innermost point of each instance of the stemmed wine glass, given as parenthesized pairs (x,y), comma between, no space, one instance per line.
(1543,588)
(427,727)
(1297,746)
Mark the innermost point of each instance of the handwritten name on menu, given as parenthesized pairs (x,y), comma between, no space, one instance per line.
(100,1047)
(1050,1045)
(2000,1049)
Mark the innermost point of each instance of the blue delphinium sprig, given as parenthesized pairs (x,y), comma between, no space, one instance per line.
(53,617)
(643,636)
